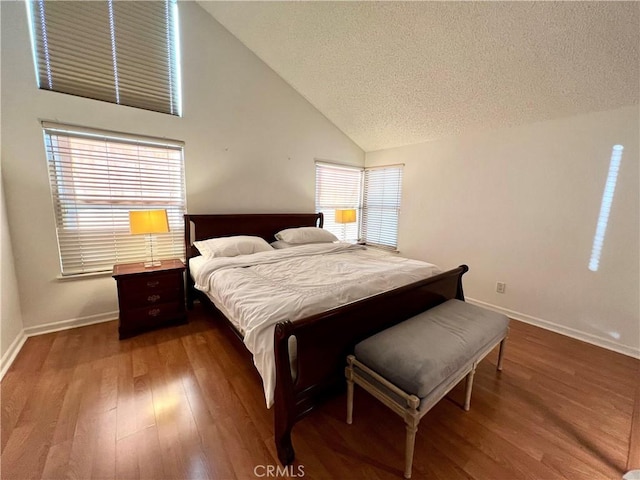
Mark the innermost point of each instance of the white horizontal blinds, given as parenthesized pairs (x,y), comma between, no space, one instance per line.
(147,67)
(96,179)
(338,187)
(381,205)
(117,51)
(73,48)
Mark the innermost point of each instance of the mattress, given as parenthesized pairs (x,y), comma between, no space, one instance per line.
(256,291)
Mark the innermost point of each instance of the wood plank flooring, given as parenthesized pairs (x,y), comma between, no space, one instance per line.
(186,402)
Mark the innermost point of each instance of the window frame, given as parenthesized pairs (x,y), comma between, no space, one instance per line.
(92,192)
(361,207)
(391,200)
(335,199)
(126,53)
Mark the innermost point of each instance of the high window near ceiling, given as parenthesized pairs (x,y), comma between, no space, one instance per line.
(123,52)
(374,193)
(97,178)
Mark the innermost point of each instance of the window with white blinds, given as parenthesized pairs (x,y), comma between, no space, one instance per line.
(339,187)
(375,193)
(381,205)
(124,52)
(96,179)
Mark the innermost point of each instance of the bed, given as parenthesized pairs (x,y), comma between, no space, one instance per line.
(307,355)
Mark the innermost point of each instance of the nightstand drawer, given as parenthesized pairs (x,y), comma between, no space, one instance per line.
(133,299)
(149,298)
(145,285)
(153,312)
(142,319)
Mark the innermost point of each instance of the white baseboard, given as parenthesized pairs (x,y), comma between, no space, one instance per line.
(72,323)
(11,354)
(561,329)
(16,346)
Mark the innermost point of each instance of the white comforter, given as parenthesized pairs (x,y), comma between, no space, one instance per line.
(262,289)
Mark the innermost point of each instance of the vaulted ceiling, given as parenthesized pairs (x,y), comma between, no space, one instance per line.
(396,73)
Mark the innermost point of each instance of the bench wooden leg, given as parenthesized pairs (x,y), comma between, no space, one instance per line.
(409,448)
(468,387)
(411,420)
(349,375)
(501,353)
(349,402)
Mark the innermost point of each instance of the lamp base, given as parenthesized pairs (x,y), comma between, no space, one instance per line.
(156,263)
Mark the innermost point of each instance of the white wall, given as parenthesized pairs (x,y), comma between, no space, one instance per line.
(520,205)
(11,327)
(10,314)
(250,141)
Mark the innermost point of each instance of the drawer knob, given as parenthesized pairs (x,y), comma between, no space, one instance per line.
(153,298)
(154,312)
(153,283)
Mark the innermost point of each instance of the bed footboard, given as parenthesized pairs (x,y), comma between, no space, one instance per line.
(325,340)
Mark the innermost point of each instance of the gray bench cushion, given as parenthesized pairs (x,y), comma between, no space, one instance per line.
(420,353)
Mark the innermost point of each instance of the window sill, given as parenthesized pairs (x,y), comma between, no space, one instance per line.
(82,276)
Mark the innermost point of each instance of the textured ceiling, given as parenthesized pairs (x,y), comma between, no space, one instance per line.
(396,73)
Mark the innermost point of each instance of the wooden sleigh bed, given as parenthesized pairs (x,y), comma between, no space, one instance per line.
(323,340)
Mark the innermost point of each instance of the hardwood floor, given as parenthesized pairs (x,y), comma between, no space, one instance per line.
(185,402)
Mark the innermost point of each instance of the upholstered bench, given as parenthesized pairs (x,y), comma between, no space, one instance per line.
(412,365)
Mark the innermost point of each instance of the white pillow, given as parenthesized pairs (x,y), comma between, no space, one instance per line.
(231,246)
(306,235)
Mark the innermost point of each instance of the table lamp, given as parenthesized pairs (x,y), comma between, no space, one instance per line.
(148,222)
(345,216)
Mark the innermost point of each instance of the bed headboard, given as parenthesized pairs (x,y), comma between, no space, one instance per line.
(265,225)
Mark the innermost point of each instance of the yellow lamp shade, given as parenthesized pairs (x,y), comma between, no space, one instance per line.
(346,216)
(148,221)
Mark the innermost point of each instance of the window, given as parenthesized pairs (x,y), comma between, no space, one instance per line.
(96,178)
(339,187)
(381,205)
(117,51)
(374,193)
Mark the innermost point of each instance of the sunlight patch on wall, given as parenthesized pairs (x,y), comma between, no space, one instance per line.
(605,207)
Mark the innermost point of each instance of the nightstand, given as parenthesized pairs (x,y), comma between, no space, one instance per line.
(149,297)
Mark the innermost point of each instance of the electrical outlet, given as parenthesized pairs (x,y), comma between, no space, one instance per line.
(501,287)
